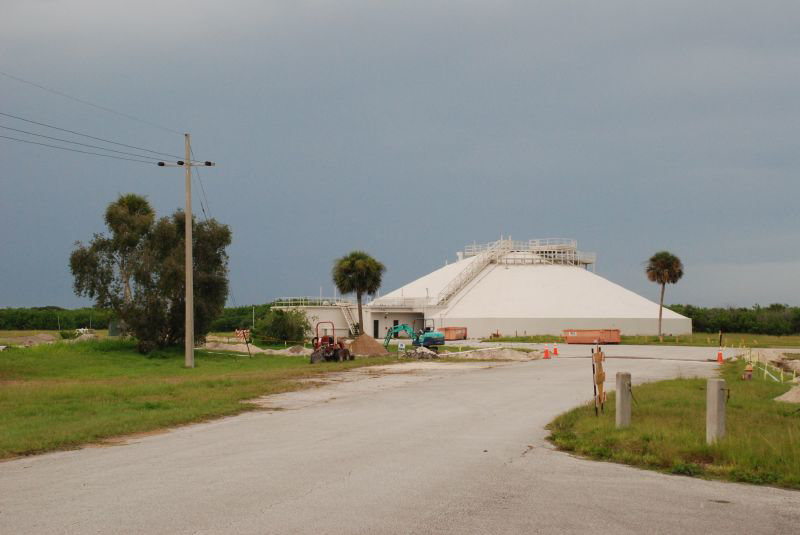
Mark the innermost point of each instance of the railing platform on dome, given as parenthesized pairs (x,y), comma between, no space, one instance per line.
(312,301)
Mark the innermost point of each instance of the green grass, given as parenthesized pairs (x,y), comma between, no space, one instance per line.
(762,442)
(695,339)
(63,395)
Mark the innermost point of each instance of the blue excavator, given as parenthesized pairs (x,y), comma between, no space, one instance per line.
(426,337)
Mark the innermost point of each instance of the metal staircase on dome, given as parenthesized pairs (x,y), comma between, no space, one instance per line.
(542,251)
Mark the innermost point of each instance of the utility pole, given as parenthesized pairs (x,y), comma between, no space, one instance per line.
(188,335)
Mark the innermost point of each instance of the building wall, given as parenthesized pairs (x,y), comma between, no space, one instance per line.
(316,314)
(386,321)
(484,327)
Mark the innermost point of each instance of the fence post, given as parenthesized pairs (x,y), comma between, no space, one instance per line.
(715,410)
(623,399)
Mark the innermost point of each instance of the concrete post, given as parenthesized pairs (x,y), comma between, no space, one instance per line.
(715,410)
(623,399)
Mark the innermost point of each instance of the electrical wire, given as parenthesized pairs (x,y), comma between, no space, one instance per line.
(202,188)
(81,144)
(75,150)
(93,105)
(88,136)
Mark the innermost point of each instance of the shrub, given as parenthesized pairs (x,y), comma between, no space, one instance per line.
(286,325)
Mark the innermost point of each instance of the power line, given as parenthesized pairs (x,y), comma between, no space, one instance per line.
(75,150)
(202,188)
(93,105)
(81,144)
(88,136)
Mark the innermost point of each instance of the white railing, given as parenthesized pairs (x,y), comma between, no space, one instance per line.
(312,301)
(402,302)
(543,244)
(544,251)
(491,253)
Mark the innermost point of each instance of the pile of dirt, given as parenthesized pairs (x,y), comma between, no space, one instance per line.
(496,353)
(239,348)
(792,396)
(35,340)
(420,353)
(366,346)
(294,351)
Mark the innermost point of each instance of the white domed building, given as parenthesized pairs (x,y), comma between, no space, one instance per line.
(512,288)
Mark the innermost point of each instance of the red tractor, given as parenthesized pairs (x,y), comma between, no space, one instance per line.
(328,348)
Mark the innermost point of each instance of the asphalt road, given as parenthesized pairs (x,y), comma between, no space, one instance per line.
(442,449)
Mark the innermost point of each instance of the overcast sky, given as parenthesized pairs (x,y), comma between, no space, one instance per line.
(409,129)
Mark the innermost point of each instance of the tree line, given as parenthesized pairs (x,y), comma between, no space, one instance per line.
(53,317)
(776,319)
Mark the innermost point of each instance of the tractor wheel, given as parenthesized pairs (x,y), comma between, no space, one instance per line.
(317,356)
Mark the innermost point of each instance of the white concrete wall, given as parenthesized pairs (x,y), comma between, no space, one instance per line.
(316,314)
(386,321)
(484,327)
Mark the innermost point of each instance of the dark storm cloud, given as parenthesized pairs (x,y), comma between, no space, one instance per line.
(411,128)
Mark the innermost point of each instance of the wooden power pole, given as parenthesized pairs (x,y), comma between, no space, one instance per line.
(189,328)
(188,335)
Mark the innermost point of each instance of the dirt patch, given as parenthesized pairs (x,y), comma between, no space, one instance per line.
(496,353)
(294,351)
(792,396)
(239,348)
(366,346)
(32,340)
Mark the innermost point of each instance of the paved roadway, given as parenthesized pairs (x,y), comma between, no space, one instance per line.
(443,449)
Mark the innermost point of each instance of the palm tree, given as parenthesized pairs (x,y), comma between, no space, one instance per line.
(360,273)
(663,268)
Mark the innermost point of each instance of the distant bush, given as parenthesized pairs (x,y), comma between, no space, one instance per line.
(776,319)
(68,335)
(53,318)
(288,325)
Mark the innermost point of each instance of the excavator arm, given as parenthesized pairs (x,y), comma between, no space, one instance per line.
(402,328)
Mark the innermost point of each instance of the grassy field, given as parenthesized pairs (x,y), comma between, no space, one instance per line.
(695,339)
(63,395)
(762,444)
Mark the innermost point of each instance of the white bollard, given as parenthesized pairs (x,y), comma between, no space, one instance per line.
(623,399)
(715,410)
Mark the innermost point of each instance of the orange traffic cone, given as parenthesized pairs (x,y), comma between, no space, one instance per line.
(719,356)
(555,349)
(547,351)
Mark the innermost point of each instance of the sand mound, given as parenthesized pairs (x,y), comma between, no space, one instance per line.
(792,396)
(239,348)
(34,340)
(294,351)
(496,353)
(83,338)
(365,345)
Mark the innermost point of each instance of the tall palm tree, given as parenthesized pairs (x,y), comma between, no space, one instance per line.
(360,273)
(663,268)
